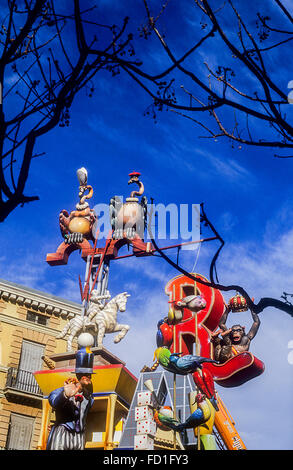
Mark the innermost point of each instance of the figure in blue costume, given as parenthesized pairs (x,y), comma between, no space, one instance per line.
(72,403)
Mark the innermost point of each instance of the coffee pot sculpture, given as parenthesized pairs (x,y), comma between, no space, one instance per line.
(80,222)
(128,219)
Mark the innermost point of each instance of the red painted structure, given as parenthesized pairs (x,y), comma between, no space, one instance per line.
(198,328)
(139,247)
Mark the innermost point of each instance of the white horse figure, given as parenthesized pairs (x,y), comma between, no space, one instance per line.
(80,324)
(74,327)
(106,318)
(100,319)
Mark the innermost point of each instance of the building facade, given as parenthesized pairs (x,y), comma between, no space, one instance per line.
(30,320)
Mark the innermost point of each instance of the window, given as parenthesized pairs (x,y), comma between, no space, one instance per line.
(20,432)
(36,318)
(31,356)
(30,361)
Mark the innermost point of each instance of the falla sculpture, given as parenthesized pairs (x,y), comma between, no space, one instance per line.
(187,338)
(80,222)
(128,219)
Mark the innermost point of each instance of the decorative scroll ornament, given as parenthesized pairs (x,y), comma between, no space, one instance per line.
(49,362)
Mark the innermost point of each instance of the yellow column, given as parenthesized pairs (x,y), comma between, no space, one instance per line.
(46,413)
(109,434)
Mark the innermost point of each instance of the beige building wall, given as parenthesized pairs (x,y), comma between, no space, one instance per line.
(18,404)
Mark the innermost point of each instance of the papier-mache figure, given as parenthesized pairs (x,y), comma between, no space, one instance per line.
(72,403)
(234,340)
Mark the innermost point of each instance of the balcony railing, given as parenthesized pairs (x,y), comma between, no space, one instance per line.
(23,381)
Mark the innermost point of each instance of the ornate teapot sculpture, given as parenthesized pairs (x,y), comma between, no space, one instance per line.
(129,219)
(79,223)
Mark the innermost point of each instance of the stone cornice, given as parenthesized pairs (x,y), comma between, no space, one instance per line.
(37,300)
(24,324)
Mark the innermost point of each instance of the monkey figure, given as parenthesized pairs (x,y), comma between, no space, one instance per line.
(234,340)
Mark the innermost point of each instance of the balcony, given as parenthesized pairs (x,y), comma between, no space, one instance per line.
(22,383)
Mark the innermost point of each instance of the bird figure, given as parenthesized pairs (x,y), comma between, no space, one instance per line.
(200,416)
(203,379)
(163,416)
(179,365)
(164,336)
(129,219)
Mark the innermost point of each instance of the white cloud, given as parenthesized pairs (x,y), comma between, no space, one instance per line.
(227,167)
(264,267)
(28,272)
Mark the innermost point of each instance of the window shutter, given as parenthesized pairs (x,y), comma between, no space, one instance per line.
(30,361)
(31,356)
(20,432)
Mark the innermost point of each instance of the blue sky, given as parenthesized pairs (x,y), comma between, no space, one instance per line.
(247,195)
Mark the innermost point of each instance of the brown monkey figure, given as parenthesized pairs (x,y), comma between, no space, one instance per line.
(234,340)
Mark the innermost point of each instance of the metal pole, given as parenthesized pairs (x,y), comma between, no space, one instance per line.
(197,352)
(99,282)
(150,252)
(105,277)
(174,384)
(84,302)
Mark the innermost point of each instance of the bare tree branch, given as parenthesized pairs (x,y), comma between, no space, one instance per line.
(266,101)
(263,303)
(47,82)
